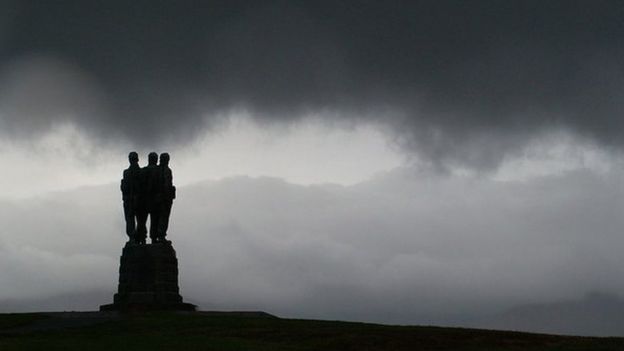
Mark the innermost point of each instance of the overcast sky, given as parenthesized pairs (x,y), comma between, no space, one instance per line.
(392,161)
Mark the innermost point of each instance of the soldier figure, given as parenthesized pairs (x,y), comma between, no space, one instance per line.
(149,197)
(166,195)
(130,189)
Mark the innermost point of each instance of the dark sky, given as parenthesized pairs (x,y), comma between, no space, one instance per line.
(458,82)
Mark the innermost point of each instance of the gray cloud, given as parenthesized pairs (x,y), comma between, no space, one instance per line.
(383,250)
(463,83)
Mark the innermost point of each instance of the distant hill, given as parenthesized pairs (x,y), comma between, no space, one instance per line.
(258,331)
(597,314)
(77,301)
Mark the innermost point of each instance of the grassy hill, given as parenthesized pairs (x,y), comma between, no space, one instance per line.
(257,331)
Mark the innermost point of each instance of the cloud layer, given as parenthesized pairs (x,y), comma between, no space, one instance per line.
(457,83)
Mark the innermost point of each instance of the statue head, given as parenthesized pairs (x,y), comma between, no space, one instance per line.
(164,159)
(152,158)
(133,157)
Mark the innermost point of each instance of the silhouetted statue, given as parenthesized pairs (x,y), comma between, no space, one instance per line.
(130,190)
(166,194)
(148,192)
(148,274)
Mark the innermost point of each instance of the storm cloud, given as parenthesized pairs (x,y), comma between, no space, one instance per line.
(456,83)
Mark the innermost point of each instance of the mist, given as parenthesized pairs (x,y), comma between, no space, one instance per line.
(379,251)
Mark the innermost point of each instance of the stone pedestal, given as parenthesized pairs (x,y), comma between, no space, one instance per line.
(148,280)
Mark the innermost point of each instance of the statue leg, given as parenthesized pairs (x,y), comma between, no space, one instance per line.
(129,216)
(141,231)
(154,218)
(165,212)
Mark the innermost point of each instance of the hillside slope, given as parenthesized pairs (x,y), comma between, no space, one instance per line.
(258,331)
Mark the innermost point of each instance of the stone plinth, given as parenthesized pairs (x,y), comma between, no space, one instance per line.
(148,280)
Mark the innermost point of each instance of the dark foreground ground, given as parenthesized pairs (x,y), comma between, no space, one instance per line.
(257,331)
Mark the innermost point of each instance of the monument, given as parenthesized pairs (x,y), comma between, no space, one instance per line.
(148,273)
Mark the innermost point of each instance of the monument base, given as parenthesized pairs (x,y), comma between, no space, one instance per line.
(148,280)
(143,307)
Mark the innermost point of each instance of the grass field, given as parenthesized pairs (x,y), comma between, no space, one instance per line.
(231,331)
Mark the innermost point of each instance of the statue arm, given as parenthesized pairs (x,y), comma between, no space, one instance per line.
(173,188)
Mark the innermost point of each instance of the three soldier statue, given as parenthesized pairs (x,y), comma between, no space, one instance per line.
(147,191)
